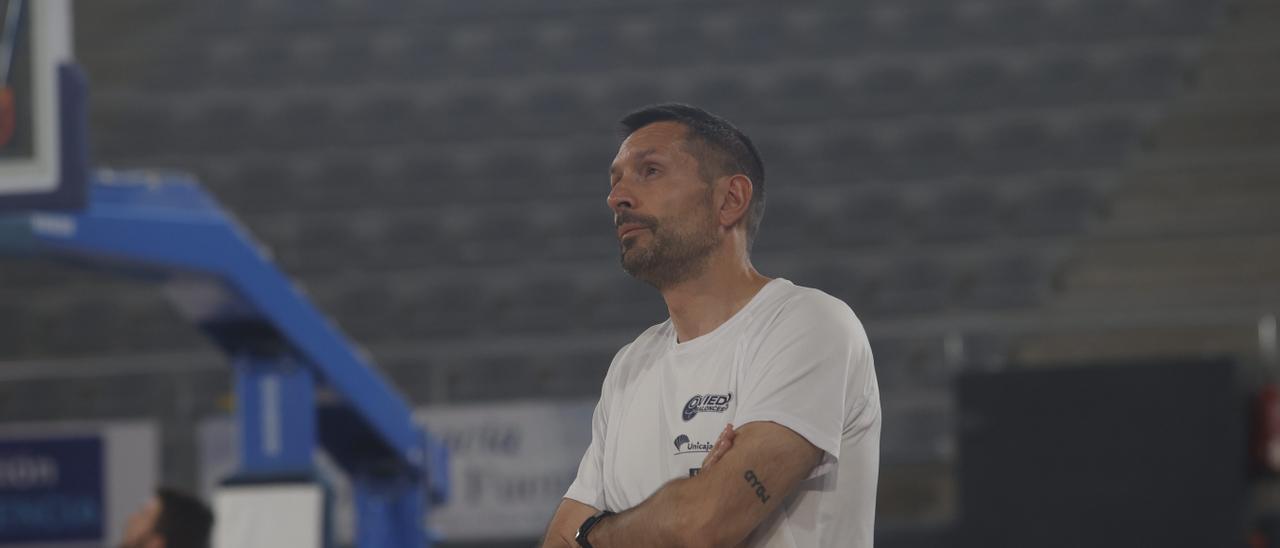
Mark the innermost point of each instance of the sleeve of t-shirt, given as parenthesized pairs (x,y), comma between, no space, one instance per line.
(799,374)
(588,486)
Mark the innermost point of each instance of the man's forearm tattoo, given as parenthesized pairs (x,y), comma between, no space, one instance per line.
(761,493)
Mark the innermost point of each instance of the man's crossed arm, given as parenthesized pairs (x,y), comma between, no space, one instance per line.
(732,494)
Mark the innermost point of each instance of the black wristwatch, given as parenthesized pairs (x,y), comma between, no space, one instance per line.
(581,537)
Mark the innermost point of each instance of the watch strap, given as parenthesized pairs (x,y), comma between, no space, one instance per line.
(585,529)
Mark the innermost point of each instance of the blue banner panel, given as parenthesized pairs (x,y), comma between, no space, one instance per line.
(51,490)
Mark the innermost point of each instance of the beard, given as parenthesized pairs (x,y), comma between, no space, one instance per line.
(674,254)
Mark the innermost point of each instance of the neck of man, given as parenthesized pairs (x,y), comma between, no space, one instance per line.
(702,303)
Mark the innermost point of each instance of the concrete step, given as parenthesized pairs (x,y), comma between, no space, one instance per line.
(1198,159)
(1196,181)
(1223,126)
(1264,296)
(1185,262)
(1238,68)
(1138,344)
(1253,17)
(1182,212)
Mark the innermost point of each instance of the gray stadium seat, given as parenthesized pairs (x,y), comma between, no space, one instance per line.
(626,94)
(420,240)
(551,304)
(843,33)
(582,231)
(791,224)
(132,130)
(755,37)
(1100,143)
(426,56)
(260,61)
(728,95)
(589,48)
(885,90)
(1018,146)
(1011,24)
(494,378)
(558,109)
(1150,75)
(385,118)
(915,433)
(676,39)
(223,126)
(803,95)
(577,374)
(304,122)
(928,152)
(924,27)
(872,217)
(511,49)
(1058,210)
(852,156)
(962,215)
(983,84)
(177,68)
(453,308)
(502,236)
(912,286)
(365,308)
(1062,80)
(1010,281)
(472,112)
(321,243)
(624,302)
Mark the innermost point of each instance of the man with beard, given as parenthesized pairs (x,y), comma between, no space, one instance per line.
(752,415)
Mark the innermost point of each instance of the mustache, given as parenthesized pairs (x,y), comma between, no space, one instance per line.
(628,217)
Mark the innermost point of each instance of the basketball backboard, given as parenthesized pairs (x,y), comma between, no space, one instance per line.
(35,44)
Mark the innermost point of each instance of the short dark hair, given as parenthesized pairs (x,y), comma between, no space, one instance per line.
(719,146)
(184,521)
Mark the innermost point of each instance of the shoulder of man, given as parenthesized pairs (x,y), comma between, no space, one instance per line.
(815,308)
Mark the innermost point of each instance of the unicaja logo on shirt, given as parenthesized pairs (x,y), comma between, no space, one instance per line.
(683,445)
(709,403)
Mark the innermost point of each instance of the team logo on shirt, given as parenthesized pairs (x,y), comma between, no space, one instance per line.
(706,403)
(683,445)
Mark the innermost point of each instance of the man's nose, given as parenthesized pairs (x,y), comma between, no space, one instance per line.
(620,199)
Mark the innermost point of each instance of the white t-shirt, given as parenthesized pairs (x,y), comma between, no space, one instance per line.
(794,356)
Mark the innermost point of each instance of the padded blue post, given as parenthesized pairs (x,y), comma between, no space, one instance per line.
(165,228)
(277,417)
(389,509)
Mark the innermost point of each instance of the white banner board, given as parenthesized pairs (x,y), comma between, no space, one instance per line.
(74,483)
(511,463)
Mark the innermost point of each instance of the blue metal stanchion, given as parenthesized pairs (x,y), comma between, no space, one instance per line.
(165,228)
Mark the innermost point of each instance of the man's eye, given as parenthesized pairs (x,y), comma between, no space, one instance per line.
(651,170)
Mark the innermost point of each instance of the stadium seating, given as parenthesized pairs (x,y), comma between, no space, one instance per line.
(434,172)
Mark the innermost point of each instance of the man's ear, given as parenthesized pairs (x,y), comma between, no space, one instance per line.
(736,200)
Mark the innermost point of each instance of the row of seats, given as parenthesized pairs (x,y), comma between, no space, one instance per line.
(880,205)
(373,308)
(274,62)
(448,146)
(1121,72)
(903,23)
(373,303)
(505,235)
(379,307)
(298,113)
